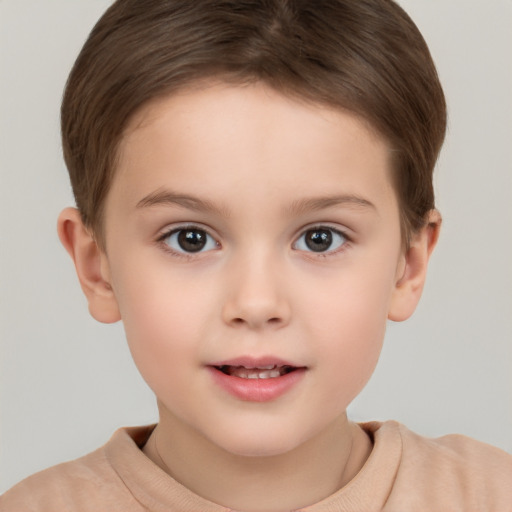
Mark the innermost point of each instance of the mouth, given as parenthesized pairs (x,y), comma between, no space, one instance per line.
(257,379)
(256,372)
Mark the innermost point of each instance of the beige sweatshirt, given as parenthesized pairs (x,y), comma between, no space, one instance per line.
(404,473)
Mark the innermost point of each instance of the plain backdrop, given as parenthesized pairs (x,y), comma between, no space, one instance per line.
(67,382)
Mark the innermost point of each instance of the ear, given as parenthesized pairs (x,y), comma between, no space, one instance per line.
(91,266)
(413,269)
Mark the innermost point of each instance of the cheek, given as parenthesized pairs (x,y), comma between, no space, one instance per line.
(350,346)
(160,309)
(348,324)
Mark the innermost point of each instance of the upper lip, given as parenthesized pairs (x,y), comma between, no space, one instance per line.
(255,362)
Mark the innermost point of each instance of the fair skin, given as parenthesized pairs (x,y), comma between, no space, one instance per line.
(296,258)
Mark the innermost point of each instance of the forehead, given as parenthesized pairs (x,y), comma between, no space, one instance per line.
(215,100)
(222,138)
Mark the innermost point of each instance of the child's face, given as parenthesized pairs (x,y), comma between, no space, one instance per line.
(244,228)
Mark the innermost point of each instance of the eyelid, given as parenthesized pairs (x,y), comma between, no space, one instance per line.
(179,226)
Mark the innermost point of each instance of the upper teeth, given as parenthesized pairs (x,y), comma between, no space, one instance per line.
(253,373)
(263,372)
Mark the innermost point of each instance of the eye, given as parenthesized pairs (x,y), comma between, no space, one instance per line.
(189,240)
(321,239)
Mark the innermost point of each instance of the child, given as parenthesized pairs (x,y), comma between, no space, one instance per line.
(254,192)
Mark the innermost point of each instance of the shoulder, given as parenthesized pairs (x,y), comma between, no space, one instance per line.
(466,459)
(89,483)
(452,472)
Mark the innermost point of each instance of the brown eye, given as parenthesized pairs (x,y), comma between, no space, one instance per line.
(190,240)
(320,239)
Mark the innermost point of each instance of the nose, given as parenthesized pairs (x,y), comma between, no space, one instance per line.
(256,295)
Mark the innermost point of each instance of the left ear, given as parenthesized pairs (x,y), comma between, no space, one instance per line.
(409,285)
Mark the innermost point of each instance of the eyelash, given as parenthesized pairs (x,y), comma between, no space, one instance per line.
(193,227)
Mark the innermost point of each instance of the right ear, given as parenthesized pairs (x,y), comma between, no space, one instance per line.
(91,265)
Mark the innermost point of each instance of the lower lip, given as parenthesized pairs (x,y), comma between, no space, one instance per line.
(257,390)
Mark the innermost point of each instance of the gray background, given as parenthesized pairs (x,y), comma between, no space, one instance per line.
(66,382)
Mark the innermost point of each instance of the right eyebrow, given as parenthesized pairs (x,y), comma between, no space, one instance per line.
(164,197)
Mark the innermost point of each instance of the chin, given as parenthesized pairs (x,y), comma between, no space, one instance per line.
(258,442)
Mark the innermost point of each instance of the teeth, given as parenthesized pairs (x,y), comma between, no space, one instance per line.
(269,367)
(264,372)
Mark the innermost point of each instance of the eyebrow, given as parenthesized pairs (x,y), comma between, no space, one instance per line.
(169,198)
(320,203)
(298,207)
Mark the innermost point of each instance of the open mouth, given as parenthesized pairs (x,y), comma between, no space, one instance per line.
(256,379)
(263,372)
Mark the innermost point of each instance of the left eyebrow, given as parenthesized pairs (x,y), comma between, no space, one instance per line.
(320,203)
(166,197)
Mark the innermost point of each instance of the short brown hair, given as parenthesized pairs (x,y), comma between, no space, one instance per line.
(364,56)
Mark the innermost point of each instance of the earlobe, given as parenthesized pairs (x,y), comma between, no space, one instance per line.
(413,272)
(91,266)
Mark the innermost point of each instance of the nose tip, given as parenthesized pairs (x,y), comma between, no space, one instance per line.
(257,300)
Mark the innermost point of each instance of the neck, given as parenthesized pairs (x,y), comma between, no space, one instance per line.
(301,477)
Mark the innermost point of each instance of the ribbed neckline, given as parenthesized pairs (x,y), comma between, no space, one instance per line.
(157,491)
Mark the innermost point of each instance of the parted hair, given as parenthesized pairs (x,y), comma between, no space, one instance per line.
(363,56)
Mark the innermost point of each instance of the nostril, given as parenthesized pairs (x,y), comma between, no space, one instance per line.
(271,321)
